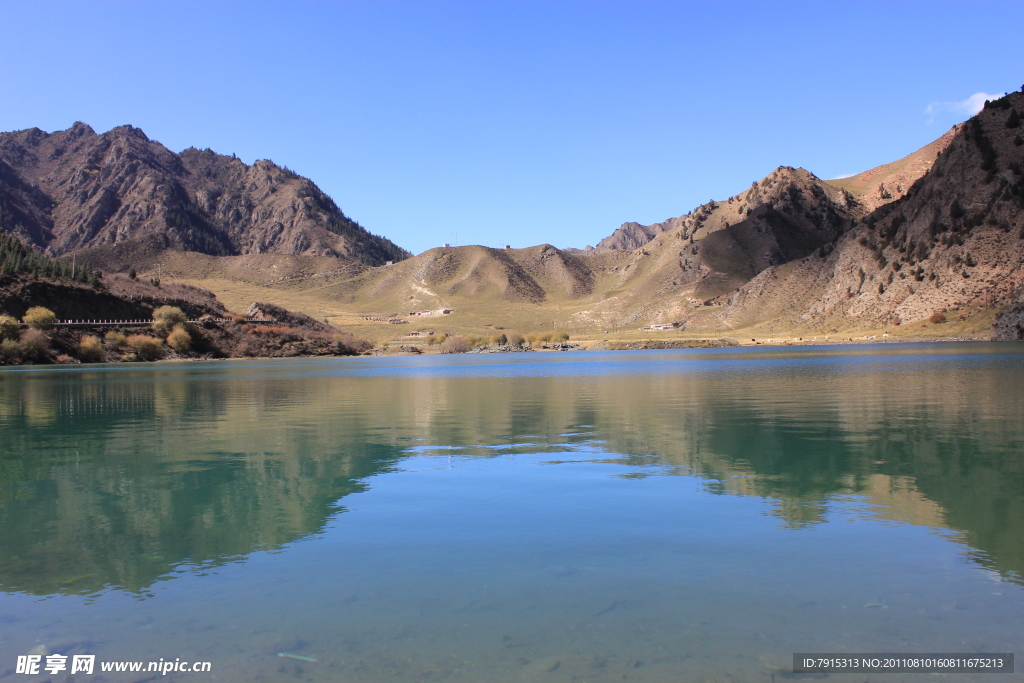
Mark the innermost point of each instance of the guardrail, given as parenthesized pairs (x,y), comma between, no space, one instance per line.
(146,323)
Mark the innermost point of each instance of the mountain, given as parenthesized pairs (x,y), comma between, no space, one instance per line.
(954,240)
(935,232)
(939,233)
(121,192)
(871,189)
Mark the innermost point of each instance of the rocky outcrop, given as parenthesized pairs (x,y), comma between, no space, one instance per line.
(789,200)
(633,235)
(74,190)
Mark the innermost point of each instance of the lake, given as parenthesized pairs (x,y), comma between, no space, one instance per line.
(679,515)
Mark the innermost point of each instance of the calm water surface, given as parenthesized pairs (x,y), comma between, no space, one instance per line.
(641,516)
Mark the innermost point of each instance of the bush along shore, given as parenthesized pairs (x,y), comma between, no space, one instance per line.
(40,337)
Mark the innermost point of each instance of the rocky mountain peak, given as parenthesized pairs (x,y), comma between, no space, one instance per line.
(74,190)
(127,131)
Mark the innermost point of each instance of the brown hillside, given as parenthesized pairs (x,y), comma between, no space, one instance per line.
(706,255)
(954,241)
(888,182)
(76,191)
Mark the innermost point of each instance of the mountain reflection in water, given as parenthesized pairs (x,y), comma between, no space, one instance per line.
(112,477)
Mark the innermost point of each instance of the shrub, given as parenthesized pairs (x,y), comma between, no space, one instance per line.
(116,339)
(166,318)
(132,274)
(146,347)
(179,339)
(90,349)
(65,359)
(244,348)
(282,332)
(562,337)
(129,358)
(515,339)
(436,339)
(937,317)
(1014,119)
(34,345)
(455,345)
(9,351)
(499,339)
(354,343)
(39,318)
(8,327)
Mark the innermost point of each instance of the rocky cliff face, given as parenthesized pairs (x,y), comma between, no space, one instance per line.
(954,239)
(73,190)
(633,235)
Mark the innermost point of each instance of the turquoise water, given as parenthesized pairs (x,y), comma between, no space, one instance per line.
(685,515)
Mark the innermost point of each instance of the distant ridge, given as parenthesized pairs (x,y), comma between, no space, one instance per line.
(74,190)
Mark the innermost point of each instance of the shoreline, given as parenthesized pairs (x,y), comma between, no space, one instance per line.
(612,346)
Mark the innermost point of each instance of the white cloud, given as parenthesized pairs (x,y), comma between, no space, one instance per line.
(845,175)
(969,107)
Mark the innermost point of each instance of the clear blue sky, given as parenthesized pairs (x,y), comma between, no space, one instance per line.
(514,121)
